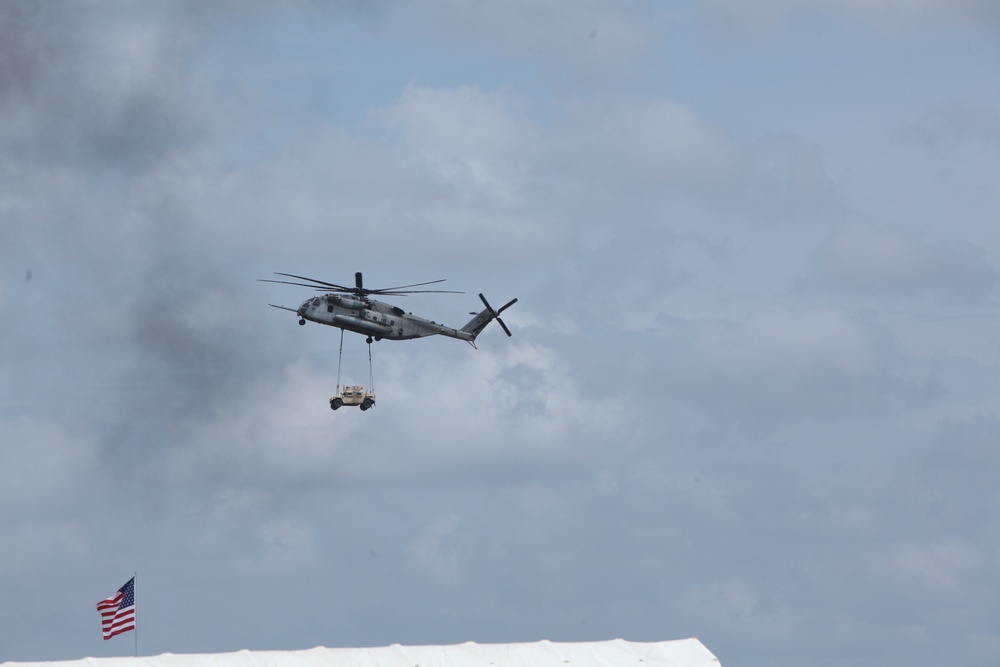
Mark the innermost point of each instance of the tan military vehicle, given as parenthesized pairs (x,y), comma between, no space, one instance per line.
(353,395)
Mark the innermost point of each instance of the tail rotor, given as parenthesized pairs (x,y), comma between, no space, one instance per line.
(495,314)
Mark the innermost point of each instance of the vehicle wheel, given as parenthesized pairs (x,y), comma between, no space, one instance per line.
(302,323)
(367,404)
(336,403)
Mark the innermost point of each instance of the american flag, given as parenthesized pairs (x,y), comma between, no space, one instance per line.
(118,611)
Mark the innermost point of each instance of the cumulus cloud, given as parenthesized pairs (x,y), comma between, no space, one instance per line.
(290,439)
(284,545)
(930,570)
(52,486)
(453,169)
(734,605)
(89,86)
(434,551)
(518,407)
(880,261)
(408,178)
(671,420)
(654,142)
(888,14)
(578,42)
(780,364)
(449,169)
(656,151)
(951,124)
(478,139)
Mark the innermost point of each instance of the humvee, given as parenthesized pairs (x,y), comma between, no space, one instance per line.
(353,395)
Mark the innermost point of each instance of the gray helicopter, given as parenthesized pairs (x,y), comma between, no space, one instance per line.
(351,309)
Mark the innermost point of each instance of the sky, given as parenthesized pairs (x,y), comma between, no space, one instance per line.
(753,389)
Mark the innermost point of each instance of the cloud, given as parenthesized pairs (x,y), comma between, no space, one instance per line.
(890,14)
(53,487)
(395,185)
(445,170)
(437,553)
(954,473)
(97,87)
(735,606)
(472,174)
(671,421)
(934,570)
(278,424)
(284,545)
(478,140)
(656,142)
(652,152)
(879,261)
(780,364)
(507,409)
(68,461)
(578,43)
(952,124)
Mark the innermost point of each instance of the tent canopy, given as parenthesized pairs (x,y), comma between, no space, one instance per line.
(613,653)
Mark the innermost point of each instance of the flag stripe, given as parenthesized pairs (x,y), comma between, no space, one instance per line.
(111,604)
(118,626)
(118,620)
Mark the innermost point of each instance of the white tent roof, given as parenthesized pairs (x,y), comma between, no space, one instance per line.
(614,653)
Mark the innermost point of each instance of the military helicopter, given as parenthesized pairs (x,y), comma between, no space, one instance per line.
(351,309)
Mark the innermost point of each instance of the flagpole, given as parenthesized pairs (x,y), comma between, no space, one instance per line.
(135,577)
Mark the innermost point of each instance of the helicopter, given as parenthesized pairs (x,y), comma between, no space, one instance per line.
(351,309)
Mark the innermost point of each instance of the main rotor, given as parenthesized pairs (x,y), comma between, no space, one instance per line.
(359,290)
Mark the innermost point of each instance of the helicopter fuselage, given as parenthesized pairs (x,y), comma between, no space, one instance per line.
(378,319)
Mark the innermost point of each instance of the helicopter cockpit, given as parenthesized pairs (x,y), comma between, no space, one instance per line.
(309,304)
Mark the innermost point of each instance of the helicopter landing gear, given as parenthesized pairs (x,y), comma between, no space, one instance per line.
(369,340)
(302,323)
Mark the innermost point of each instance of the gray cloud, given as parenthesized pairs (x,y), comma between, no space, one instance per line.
(94,87)
(952,124)
(680,439)
(782,364)
(885,14)
(880,261)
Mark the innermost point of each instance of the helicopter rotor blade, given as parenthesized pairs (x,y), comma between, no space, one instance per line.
(413,291)
(399,290)
(313,280)
(386,290)
(359,289)
(504,326)
(315,287)
(486,303)
(505,307)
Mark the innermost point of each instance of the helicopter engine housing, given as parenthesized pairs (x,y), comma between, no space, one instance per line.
(346,301)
